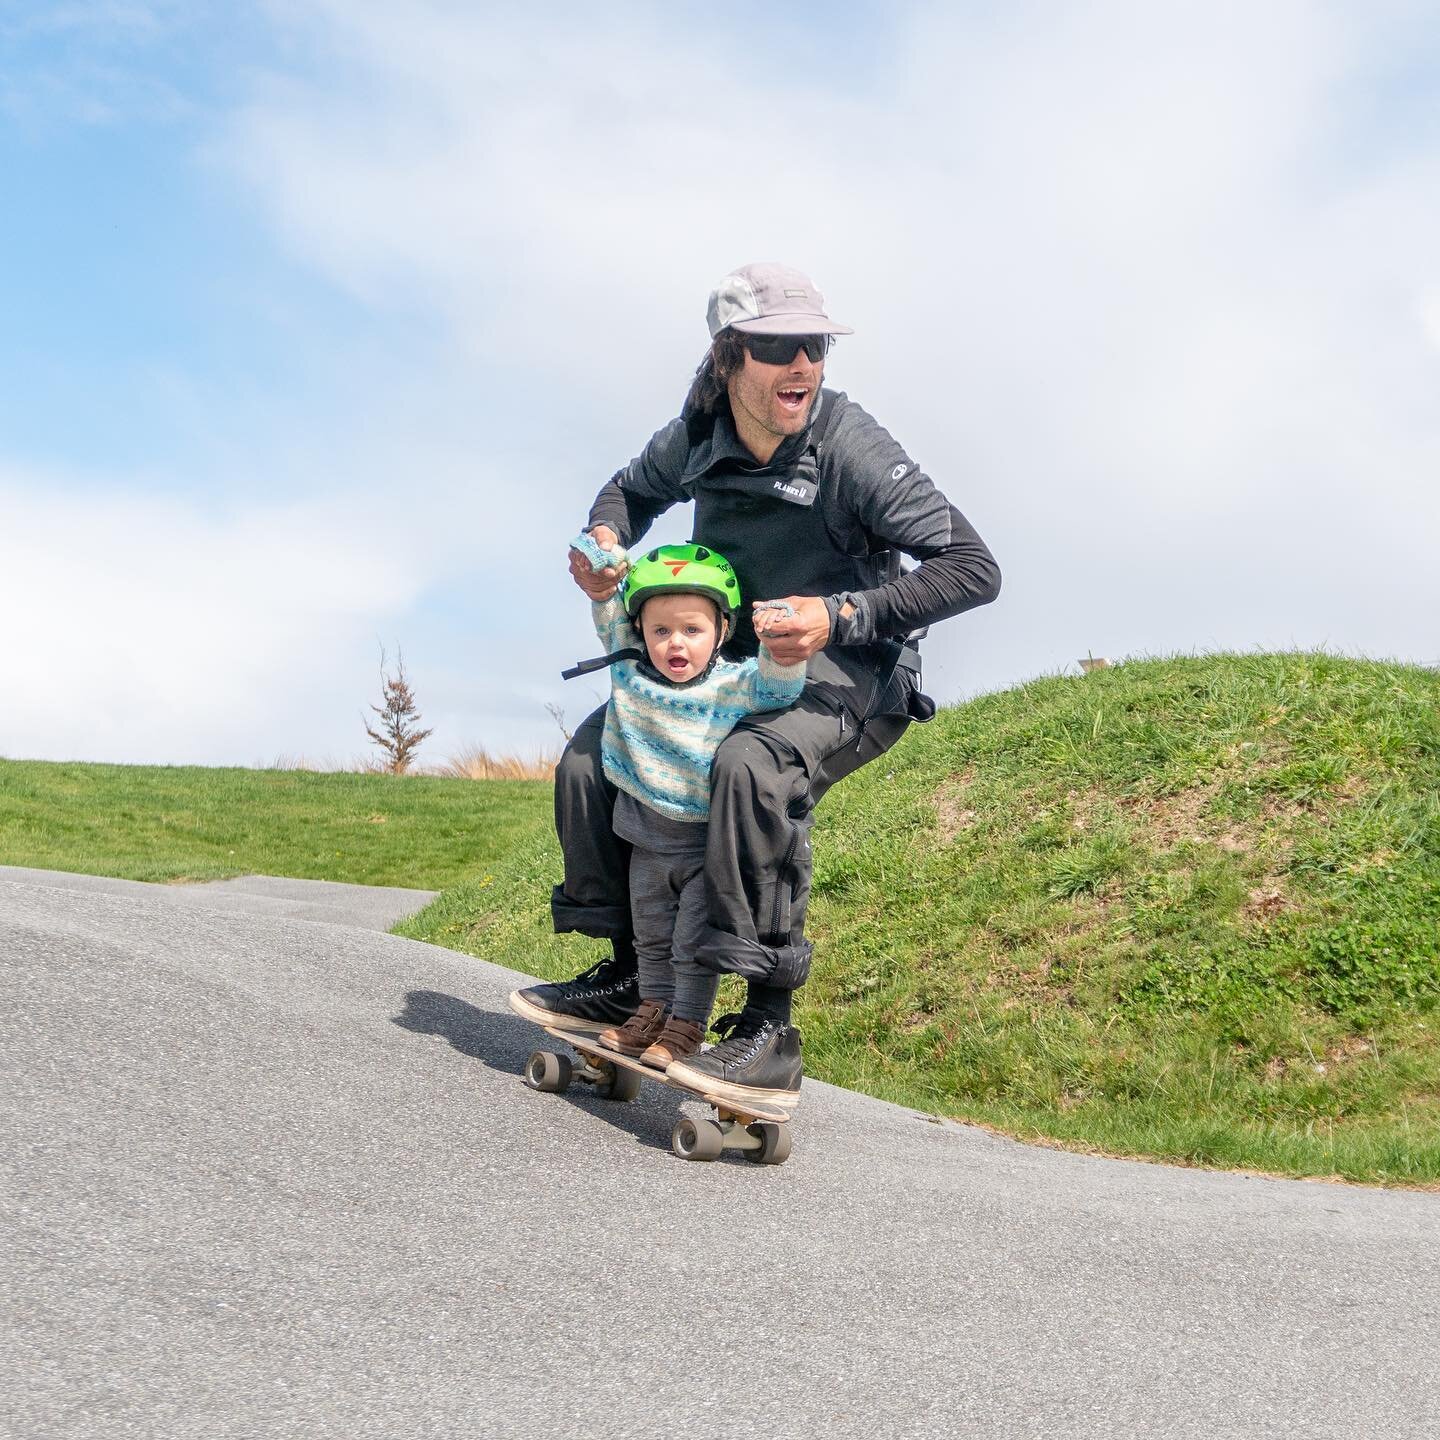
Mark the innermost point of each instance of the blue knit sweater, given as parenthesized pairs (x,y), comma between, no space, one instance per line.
(660,739)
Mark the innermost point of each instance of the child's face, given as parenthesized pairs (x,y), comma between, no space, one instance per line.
(681,633)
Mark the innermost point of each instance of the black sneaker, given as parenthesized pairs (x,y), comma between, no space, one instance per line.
(606,994)
(758,1061)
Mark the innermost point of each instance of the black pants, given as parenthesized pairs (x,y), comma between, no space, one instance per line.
(768,776)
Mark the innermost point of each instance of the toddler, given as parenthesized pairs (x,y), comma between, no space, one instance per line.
(673,700)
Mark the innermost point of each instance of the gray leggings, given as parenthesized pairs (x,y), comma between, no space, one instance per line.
(667,907)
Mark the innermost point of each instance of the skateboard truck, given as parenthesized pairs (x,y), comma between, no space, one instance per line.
(761,1135)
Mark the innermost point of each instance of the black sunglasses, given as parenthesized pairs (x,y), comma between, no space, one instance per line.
(780,349)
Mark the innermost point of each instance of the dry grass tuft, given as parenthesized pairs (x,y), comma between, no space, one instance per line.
(475,762)
(952,815)
(1268,900)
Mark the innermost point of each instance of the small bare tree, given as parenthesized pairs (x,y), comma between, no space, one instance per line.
(399,735)
(557,714)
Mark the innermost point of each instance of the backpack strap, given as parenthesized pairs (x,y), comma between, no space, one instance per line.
(821,428)
(805,477)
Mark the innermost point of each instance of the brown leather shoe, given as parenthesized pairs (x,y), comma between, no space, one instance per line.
(643,1028)
(678,1039)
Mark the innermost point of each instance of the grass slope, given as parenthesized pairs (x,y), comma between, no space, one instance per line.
(1183,908)
(189,823)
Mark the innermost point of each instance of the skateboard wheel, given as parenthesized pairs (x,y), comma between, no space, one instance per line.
(619,1084)
(697,1139)
(547,1071)
(774,1143)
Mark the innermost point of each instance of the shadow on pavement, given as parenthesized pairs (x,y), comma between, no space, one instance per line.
(504,1042)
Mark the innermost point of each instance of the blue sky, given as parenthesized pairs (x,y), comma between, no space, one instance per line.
(320,323)
(142,292)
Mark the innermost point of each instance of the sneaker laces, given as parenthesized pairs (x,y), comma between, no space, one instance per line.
(601,976)
(738,1032)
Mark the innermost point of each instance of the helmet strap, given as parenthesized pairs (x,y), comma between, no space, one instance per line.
(641,656)
(603,662)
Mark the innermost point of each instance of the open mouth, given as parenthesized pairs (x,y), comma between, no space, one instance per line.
(678,664)
(793,398)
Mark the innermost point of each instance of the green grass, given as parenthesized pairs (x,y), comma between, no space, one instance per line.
(1187,908)
(189,823)
(1183,908)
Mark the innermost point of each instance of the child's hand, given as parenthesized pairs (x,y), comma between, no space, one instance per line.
(796,633)
(603,583)
(767,613)
(764,613)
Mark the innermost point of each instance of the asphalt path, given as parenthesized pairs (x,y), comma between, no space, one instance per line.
(277,1176)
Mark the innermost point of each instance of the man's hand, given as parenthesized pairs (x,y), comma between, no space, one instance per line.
(598,584)
(792,638)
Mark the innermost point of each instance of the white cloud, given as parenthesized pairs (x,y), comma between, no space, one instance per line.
(1428,306)
(1128,279)
(1151,291)
(150,630)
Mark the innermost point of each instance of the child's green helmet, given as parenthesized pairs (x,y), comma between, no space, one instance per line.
(682,570)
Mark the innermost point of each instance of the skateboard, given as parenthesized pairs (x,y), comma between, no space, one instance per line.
(760,1132)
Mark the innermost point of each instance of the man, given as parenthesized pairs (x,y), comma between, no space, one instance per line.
(811,502)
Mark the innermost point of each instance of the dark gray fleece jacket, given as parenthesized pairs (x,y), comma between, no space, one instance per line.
(829,516)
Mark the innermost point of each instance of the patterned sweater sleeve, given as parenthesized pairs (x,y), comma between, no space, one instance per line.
(768,685)
(613,626)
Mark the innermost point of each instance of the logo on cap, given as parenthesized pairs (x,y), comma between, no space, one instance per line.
(675,566)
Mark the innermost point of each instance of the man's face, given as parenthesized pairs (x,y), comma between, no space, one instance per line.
(681,633)
(774,401)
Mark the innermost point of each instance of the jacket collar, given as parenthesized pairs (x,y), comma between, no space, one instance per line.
(724,447)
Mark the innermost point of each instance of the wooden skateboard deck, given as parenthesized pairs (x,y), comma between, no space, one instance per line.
(761,1131)
(585,1045)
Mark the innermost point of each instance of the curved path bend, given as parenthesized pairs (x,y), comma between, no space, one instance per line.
(270,1175)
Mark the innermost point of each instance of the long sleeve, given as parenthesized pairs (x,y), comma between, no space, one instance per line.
(773,686)
(613,625)
(649,485)
(900,508)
